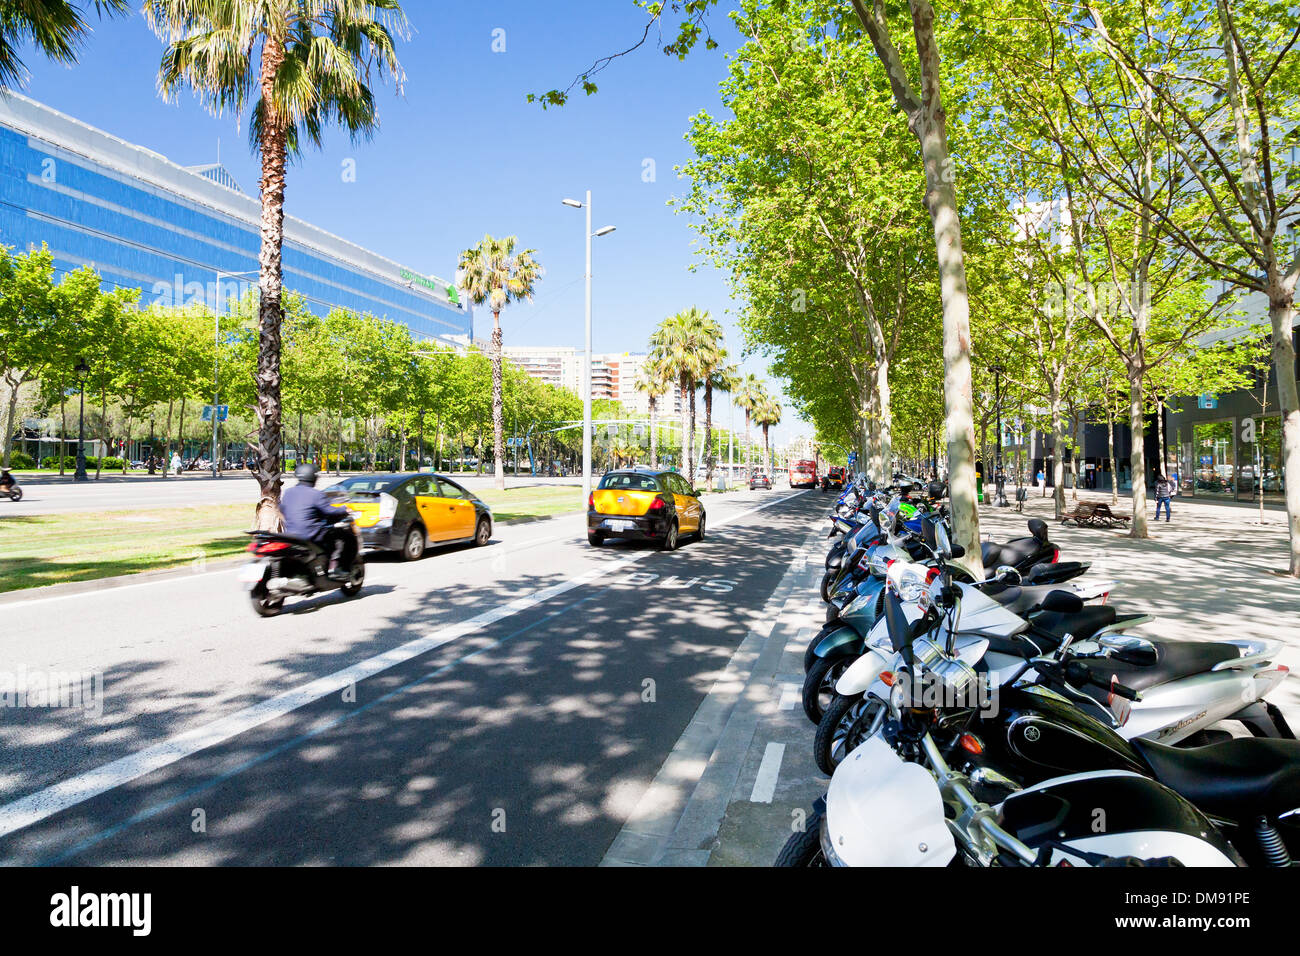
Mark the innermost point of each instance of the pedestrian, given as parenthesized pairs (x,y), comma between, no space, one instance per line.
(1042,481)
(1165,489)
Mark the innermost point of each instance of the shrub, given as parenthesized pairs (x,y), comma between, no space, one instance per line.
(20,459)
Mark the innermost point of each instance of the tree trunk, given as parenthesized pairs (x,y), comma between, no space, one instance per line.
(884,428)
(689,447)
(63,431)
(1137,456)
(927,120)
(1058,458)
(767,453)
(9,423)
(270,287)
(103,432)
(1114,464)
(654,438)
(1280,312)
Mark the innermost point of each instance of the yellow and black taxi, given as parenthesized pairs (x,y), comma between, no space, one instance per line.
(645,504)
(409,513)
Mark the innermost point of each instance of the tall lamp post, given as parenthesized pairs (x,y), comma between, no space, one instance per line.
(586,377)
(998,479)
(81,371)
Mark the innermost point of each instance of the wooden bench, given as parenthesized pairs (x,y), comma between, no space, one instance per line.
(1094,515)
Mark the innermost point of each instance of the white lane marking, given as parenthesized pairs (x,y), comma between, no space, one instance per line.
(56,798)
(768,771)
(791,694)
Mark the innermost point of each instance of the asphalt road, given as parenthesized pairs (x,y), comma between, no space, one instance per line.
(504,705)
(54,496)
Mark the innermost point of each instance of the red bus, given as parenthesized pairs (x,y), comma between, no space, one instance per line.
(803,474)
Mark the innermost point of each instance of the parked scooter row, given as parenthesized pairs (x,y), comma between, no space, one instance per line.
(997,722)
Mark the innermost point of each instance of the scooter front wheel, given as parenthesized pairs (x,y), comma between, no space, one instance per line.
(16,494)
(267,606)
(353,587)
(804,848)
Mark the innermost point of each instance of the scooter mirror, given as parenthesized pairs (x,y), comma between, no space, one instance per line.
(896,621)
(1008,575)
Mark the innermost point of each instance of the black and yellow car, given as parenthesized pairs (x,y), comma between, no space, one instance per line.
(647,505)
(409,513)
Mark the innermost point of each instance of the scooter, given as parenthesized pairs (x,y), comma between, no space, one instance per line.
(9,486)
(285,566)
(899,801)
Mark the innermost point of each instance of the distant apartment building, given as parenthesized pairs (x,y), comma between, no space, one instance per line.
(614,375)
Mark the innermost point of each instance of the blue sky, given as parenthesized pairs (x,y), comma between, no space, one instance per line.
(462,153)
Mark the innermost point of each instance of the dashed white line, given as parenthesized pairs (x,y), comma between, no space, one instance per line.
(768,772)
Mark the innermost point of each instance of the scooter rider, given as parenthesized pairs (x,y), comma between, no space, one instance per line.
(308,514)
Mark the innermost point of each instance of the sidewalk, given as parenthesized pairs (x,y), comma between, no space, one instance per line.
(1206,574)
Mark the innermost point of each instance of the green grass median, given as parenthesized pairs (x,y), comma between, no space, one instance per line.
(36,550)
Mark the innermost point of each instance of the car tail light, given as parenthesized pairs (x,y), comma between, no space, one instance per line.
(591,501)
(657,505)
(387,506)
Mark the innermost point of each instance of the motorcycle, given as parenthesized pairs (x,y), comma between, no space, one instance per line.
(285,566)
(1069,710)
(897,800)
(9,486)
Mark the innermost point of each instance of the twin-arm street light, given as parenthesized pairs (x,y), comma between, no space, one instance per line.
(586,384)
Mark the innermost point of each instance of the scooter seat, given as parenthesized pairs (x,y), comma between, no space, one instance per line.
(1014,552)
(1239,778)
(1083,623)
(1174,661)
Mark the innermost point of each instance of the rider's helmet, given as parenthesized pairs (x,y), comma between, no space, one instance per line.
(306,473)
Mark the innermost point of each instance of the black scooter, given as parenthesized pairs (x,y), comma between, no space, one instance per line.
(285,566)
(9,486)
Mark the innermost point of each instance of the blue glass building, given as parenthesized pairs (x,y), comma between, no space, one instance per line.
(184,234)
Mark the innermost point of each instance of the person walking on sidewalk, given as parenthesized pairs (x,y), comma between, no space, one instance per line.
(1042,482)
(1165,489)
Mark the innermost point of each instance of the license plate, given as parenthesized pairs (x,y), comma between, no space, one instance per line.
(251,574)
(620,525)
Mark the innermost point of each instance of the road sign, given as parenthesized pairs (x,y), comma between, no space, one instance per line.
(223,413)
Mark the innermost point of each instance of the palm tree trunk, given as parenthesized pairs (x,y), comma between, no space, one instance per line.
(498,407)
(270,309)
(690,467)
(654,438)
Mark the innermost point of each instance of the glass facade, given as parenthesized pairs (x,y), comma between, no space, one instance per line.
(179,234)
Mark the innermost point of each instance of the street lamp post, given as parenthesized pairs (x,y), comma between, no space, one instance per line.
(586,384)
(999,482)
(82,370)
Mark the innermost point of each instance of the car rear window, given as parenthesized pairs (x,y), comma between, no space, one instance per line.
(364,485)
(630,482)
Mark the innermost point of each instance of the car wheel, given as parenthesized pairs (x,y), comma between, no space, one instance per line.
(699,533)
(413,546)
(482,533)
(670,538)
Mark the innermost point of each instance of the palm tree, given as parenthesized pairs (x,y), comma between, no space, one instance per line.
(767,415)
(654,381)
(54,27)
(307,62)
(678,342)
(749,395)
(493,273)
